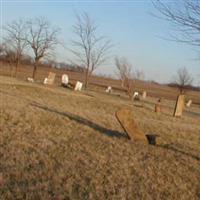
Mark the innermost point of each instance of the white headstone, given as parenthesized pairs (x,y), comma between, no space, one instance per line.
(65,79)
(78,86)
(189,103)
(109,89)
(45,81)
(136,94)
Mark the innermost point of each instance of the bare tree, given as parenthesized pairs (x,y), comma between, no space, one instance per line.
(89,49)
(185,15)
(183,79)
(124,71)
(9,56)
(42,38)
(15,41)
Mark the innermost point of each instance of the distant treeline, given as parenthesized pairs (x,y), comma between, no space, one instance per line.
(186,87)
(27,60)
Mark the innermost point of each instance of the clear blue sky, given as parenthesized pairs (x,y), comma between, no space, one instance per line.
(135,33)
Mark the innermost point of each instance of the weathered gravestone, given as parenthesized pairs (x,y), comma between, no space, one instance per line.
(157,108)
(188,104)
(180,103)
(50,79)
(65,79)
(144,94)
(78,86)
(126,120)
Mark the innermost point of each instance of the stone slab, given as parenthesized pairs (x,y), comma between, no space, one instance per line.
(126,120)
(179,107)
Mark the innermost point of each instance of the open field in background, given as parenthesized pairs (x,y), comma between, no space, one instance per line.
(100,83)
(59,144)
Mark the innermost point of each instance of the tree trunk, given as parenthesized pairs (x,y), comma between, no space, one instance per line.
(86,77)
(11,68)
(35,68)
(16,67)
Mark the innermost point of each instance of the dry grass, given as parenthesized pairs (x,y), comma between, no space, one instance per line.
(59,144)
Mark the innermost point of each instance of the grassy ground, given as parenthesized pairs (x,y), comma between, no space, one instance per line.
(59,144)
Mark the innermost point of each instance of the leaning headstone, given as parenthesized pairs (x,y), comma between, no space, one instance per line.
(65,80)
(144,94)
(188,104)
(50,79)
(180,103)
(78,86)
(109,89)
(126,120)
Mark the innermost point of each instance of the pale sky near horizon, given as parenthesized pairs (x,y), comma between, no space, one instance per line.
(129,24)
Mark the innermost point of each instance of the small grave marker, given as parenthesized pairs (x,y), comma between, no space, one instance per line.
(109,89)
(30,79)
(126,120)
(78,86)
(65,80)
(50,79)
(157,108)
(189,103)
(136,96)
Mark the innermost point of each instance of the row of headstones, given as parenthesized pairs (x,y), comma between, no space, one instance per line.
(180,102)
(64,80)
(136,95)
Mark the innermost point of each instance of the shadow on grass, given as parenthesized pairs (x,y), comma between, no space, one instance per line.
(81,120)
(172,148)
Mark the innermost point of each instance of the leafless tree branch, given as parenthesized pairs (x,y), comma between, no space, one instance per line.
(89,49)
(15,41)
(42,39)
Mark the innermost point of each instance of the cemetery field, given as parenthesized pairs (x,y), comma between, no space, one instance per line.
(59,144)
(97,82)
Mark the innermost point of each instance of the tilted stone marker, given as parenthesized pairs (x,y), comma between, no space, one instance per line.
(65,79)
(78,86)
(50,79)
(144,94)
(180,104)
(188,104)
(126,120)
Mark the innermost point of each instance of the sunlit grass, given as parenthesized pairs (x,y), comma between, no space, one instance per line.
(59,144)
